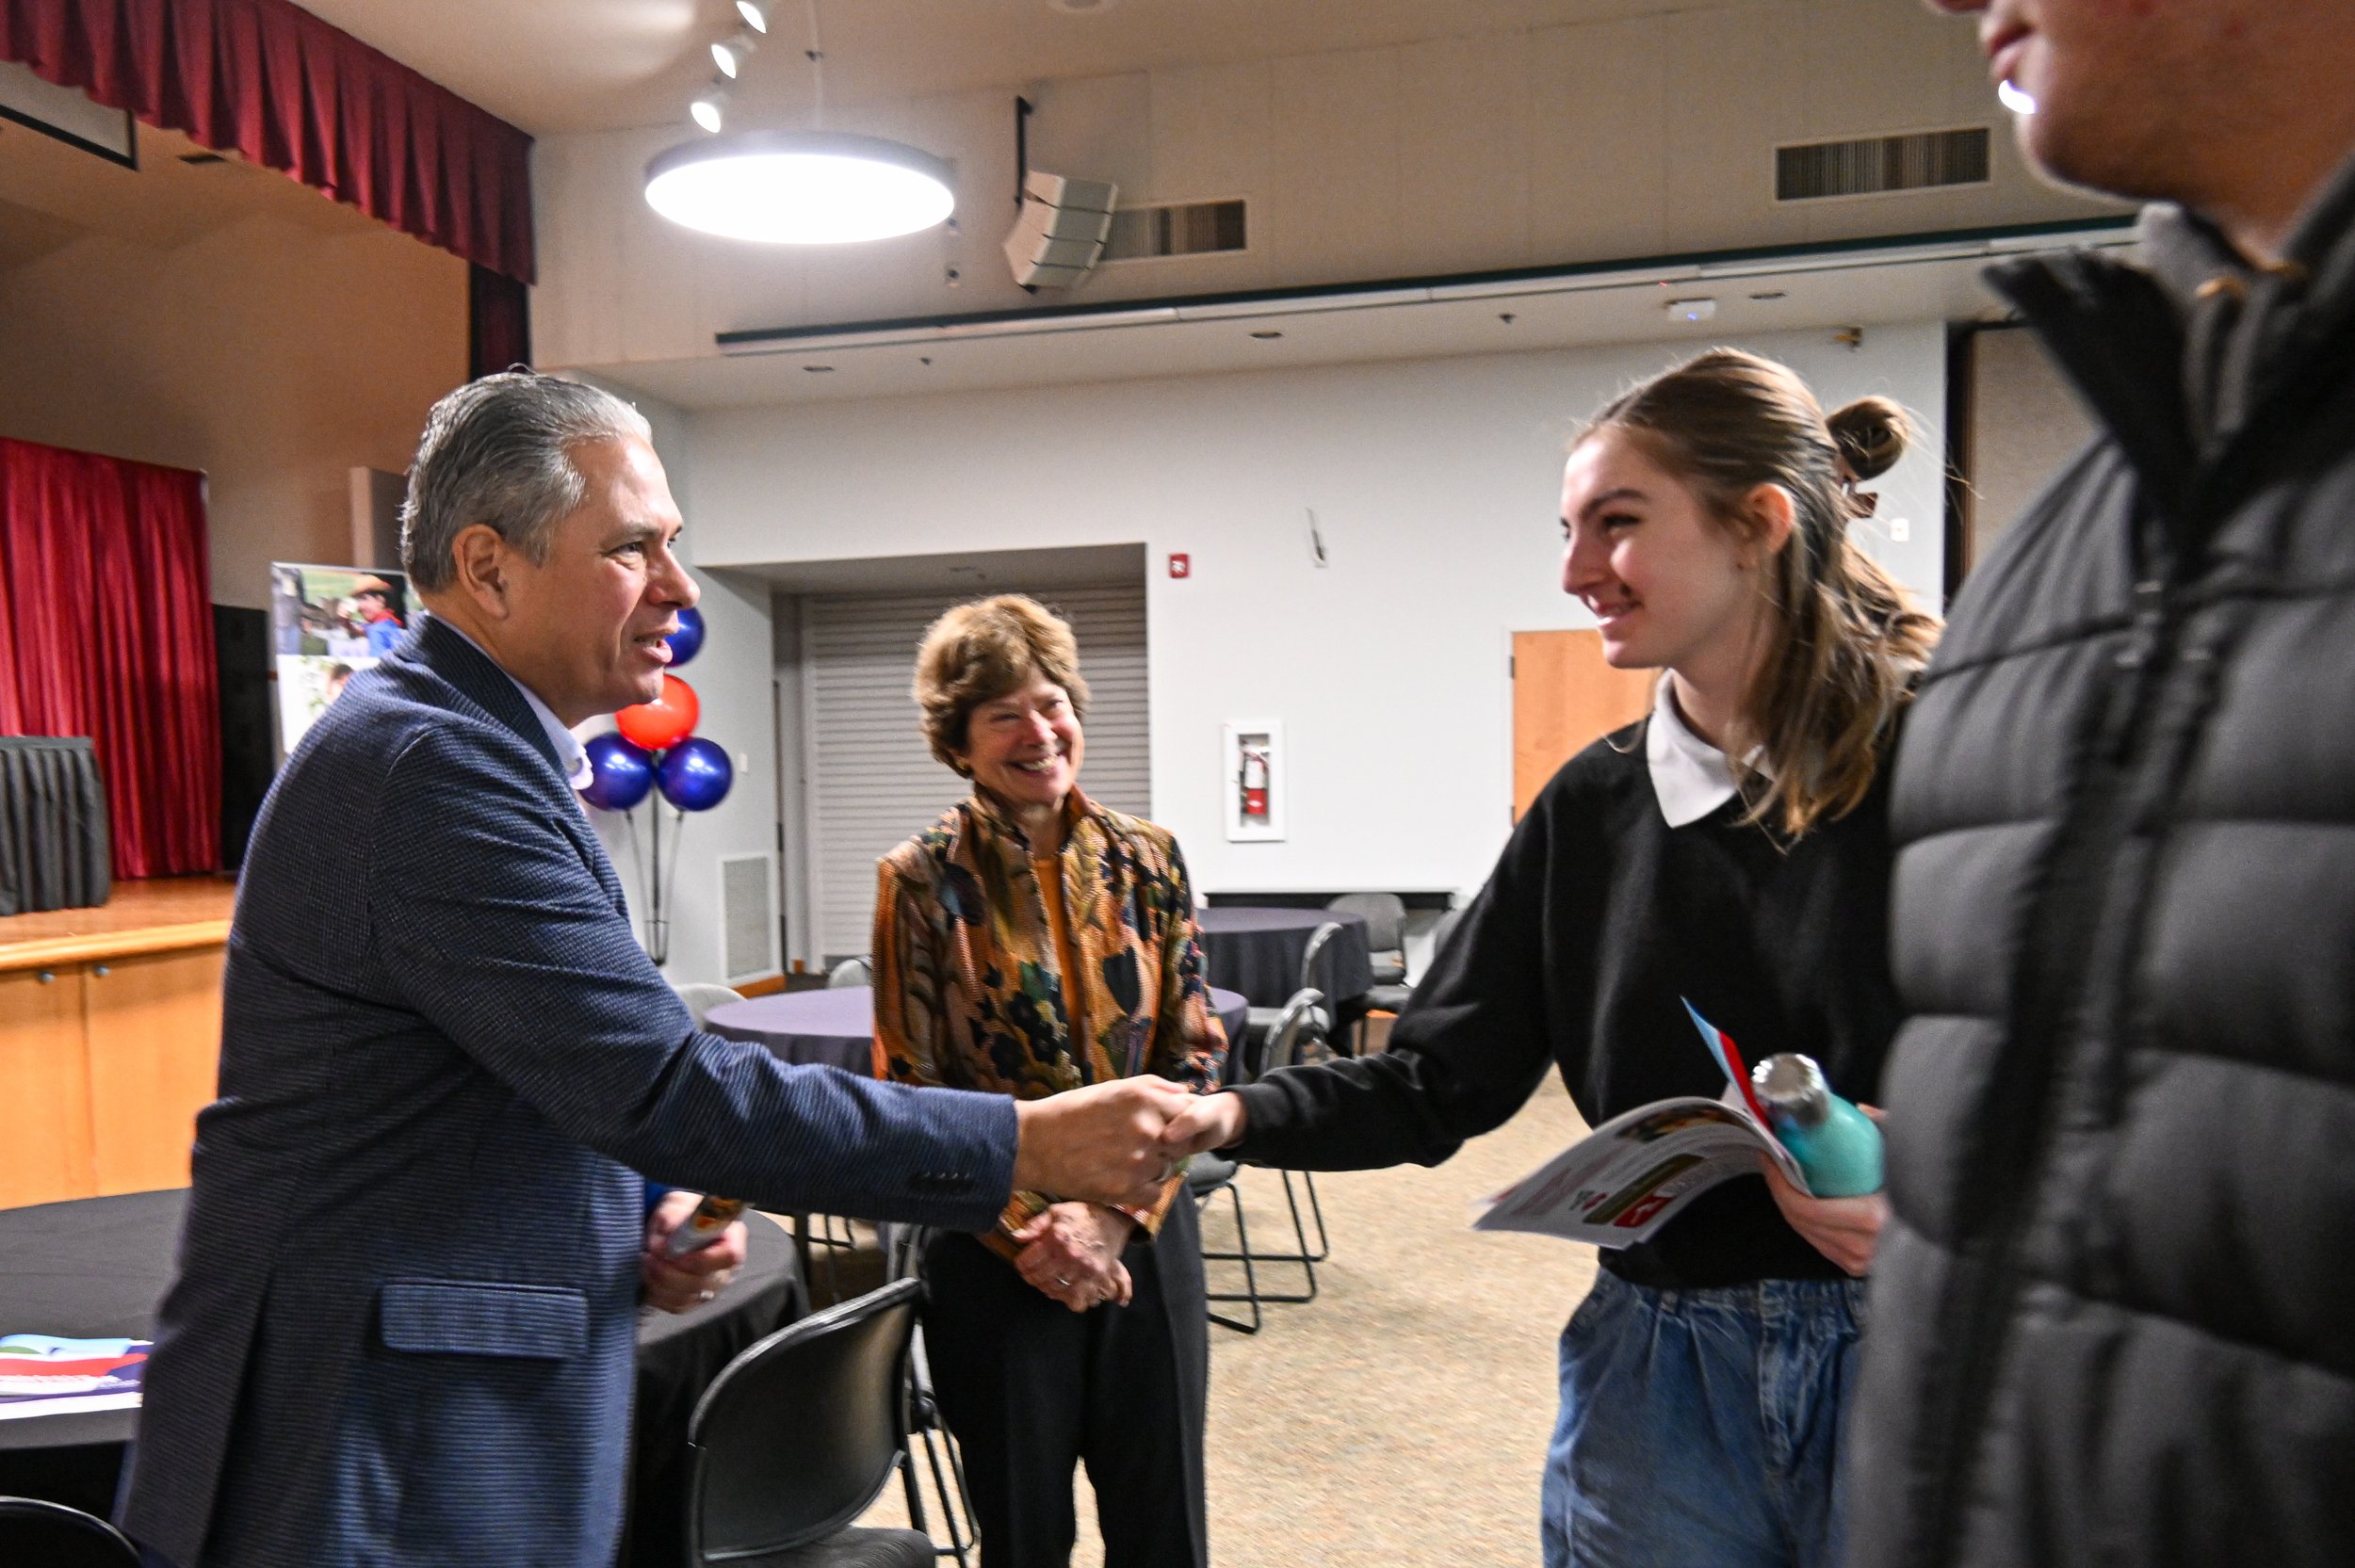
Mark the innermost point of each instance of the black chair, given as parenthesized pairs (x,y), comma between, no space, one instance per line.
(54,1536)
(1300,1023)
(904,1259)
(1260,1022)
(1385,916)
(1445,928)
(796,1437)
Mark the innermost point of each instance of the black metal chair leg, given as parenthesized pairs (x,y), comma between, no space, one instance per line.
(1307,1260)
(1250,1278)
(1324,1244)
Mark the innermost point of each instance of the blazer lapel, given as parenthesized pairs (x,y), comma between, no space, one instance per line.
(457,661)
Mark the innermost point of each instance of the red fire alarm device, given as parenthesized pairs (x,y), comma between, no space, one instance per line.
(1181,566)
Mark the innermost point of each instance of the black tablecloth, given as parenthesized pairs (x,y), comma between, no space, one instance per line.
(836,1028)
(52,825)
(1257,952)
(95,1268)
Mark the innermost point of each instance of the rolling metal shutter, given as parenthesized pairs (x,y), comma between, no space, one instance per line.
(872,781)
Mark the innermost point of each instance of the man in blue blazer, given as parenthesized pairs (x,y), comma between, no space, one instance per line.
(402,1327)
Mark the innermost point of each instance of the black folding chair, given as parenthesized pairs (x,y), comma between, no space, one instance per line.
(1299,1023)
(796,1438)
(54,1536)
(904,1258)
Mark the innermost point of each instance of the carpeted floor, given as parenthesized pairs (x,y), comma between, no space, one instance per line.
(1399,1420)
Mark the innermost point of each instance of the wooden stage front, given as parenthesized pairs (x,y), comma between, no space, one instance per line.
(109,1038)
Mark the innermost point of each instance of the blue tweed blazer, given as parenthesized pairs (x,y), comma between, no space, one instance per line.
(401,1330)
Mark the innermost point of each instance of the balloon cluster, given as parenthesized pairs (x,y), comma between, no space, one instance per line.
(654,750)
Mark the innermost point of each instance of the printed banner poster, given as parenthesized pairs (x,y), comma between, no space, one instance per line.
(327,625)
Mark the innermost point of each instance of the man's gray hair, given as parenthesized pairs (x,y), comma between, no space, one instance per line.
(499,451)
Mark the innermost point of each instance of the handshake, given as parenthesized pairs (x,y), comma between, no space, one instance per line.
(1118,1142)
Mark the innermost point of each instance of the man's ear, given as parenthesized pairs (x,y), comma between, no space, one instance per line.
(481,559)
(1771,516)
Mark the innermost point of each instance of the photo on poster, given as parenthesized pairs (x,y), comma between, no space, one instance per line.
(1254,780)
(327,625)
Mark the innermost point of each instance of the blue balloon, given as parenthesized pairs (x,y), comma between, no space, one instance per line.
(621,773)
(695,774)
(689,639)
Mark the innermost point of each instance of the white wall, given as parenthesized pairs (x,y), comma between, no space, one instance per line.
(1435,483)
(732,680)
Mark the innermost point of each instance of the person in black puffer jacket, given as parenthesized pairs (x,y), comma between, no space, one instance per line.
(2114,1307)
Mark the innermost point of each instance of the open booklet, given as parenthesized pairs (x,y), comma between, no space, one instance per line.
(1623,1181)
(42,1376)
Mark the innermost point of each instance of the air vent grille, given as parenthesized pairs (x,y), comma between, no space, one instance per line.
(1876,166)
(748,916)
(1188,229)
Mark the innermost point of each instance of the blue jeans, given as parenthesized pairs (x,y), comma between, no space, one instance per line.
(1702,1429)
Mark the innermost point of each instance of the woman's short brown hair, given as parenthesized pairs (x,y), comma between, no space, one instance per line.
(978,652)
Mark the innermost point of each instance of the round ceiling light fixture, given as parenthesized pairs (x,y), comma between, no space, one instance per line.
(1080,6)
(800,188)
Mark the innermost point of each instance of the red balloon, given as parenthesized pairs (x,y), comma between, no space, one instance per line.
(663,723)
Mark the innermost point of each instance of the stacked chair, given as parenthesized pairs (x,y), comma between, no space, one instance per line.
(903,1251)
(1385,915)
(1302,1022)
(1261,1025)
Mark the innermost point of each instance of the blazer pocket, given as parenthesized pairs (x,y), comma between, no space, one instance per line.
(468,1318)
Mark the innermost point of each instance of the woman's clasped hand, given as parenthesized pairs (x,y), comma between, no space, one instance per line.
(1071,1252)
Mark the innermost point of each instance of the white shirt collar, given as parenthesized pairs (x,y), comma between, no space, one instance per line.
(572,758)
(1690,777)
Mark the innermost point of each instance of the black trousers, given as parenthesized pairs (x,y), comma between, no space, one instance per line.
(1031,1388)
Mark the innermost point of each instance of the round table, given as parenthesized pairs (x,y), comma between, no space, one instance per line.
(96,1268)
(836,1028)
(1258,951)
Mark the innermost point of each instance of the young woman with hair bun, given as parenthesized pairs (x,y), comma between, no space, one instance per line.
(1733,849)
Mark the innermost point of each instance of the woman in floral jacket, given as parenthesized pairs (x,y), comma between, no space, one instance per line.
(1031,941)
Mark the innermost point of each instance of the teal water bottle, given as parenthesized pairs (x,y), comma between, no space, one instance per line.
(1838,1146)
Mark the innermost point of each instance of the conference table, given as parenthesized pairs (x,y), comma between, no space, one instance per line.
(1258,951)
(96,1268)
(836,1026)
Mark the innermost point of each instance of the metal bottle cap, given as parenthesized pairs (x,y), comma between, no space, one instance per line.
(1792,1088)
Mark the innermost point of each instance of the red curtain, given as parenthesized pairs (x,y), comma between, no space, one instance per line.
(269,80)
(107,630)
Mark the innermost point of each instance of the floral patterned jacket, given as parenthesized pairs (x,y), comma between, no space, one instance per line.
(969,987)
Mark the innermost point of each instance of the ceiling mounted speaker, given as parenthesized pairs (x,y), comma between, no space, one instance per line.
(1059,233)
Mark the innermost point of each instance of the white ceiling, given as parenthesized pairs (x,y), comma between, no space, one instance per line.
(1863,292)
(552,65)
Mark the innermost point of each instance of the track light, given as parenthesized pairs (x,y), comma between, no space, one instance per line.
(729,53)
(710,107)
(754,16)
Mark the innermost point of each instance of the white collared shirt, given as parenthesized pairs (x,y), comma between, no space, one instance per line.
(572,758)
(1690,777)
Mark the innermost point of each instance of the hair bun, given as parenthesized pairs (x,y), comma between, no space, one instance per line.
(1870,434)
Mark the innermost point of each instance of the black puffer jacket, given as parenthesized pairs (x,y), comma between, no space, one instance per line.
(2113,1319)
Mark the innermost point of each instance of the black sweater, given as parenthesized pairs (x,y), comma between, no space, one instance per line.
(1598,917)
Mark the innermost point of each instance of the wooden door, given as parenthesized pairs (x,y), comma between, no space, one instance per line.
(155,1058)
(1565,698)
(44,1088)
